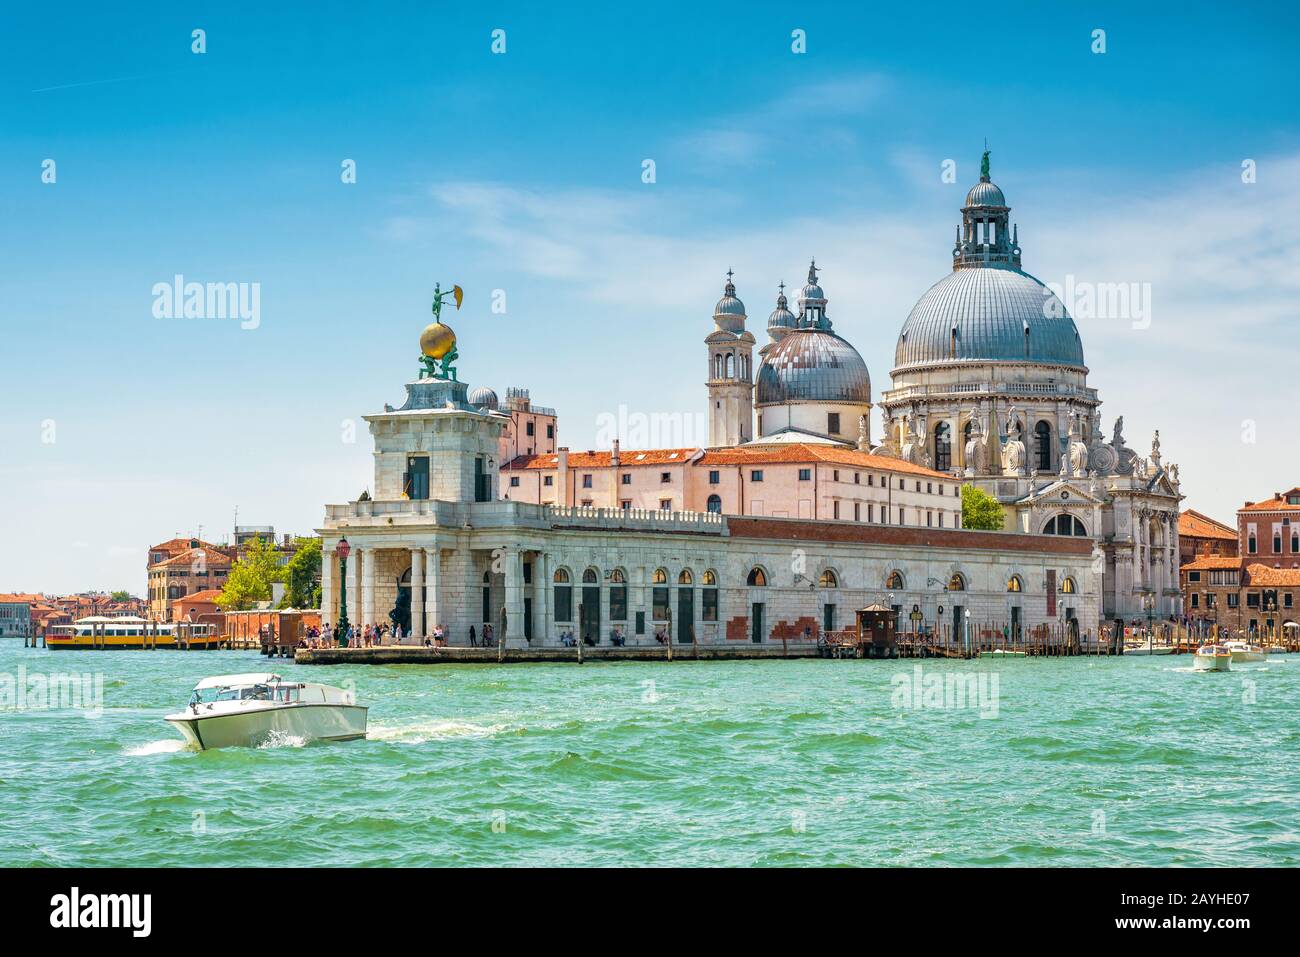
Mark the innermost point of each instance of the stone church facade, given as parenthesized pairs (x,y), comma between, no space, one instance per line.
(989,383)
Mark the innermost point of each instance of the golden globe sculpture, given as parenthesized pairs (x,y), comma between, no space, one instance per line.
(437,340)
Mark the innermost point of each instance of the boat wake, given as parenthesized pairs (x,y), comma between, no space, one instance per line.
(166,746)
(434,730)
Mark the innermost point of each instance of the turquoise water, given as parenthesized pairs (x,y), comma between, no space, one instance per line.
(1133,761)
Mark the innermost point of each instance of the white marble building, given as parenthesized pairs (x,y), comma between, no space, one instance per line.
(989,382)
(436,539)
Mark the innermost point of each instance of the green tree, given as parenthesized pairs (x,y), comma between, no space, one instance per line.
(120,595)
(250,577)
(302,574)
(980,510)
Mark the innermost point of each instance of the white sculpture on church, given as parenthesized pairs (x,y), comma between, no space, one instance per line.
(1077,451)
(976,447)
(1013,452)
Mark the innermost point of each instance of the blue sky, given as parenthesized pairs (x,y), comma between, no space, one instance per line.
(522,172)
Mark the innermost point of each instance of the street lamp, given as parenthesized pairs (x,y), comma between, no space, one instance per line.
(341,627)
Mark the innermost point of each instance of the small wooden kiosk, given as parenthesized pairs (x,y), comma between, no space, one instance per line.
(876,631)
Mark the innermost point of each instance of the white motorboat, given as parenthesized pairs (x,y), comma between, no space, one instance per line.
(1276,649)
(1243,651)
(1147,648)
(230,711)
(1212,658)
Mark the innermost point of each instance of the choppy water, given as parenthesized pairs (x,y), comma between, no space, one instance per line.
(1134,761)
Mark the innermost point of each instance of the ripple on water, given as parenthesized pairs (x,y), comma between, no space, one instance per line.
(768,763)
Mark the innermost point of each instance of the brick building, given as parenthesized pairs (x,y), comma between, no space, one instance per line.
(1269,531)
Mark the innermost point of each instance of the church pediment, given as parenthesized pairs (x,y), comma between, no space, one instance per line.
(1061,494)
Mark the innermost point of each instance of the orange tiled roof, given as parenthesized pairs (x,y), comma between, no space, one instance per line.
(1192,524)
(1207,563)
(735,455)
(800,452)
(211,556)
(18,598)
(1265,576)
(207,595)
(1278,503)
(601,460)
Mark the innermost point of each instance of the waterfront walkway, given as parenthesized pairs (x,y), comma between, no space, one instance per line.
(420,655)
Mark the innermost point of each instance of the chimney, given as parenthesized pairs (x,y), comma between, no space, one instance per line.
(614,487)
(562,476)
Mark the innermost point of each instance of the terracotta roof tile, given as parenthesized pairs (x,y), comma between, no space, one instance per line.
(211,556)
(1212,563)
(735,455)
(1192,524)
(1262,575)
(601,460)
(799,452)
(208,594)
(1278,503)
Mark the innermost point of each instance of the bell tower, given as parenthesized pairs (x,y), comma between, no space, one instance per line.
(731,374)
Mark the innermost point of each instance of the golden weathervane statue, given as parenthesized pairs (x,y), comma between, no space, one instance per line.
(438,342)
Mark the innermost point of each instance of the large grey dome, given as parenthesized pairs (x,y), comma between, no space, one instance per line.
(812,365)
(989,313)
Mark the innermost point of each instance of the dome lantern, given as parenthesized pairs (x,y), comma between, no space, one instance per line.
(812,303)
(984,238)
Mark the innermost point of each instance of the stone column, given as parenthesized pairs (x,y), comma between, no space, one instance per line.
(417,592)
(327,597)
(368,586)
(433,589)
(354,591)
(514,636)
(541,616)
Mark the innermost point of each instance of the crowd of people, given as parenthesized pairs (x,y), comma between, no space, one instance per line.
(377,636)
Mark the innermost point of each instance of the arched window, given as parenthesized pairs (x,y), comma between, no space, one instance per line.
(717,366)
(1064,525)
(757,577)
(685,578)
(828,580)
(942,447)
(589,577)
(1014,584)
(563,595)
(616,577)
(895,581)
(487,578)
(715,504)
(1043,446)
(1067,586)
(660,577)
(731,365)
(957,582)
(710,577)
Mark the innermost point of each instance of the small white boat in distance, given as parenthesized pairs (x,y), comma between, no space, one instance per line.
(1212,658)
(1147,648)
(1244,651)
(233,711)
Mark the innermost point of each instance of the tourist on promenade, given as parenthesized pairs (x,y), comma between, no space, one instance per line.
(473,639)
(487,635)
(397,634)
